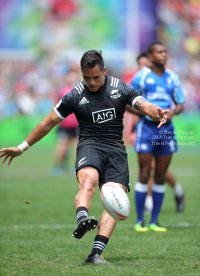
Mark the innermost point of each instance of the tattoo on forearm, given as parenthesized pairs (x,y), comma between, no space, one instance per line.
(138,103)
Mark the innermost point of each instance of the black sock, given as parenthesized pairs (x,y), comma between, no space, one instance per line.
(99,245)
(81,213)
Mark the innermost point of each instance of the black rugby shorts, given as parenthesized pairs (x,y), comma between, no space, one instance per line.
(110,160)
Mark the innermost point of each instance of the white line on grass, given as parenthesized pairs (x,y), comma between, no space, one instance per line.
(60,226)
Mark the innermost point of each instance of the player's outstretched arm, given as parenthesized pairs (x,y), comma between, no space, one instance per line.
(133,110)
(35,135)
(152,110)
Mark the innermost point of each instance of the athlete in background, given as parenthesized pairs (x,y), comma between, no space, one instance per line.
(170,178)
(67,130)
(160,86)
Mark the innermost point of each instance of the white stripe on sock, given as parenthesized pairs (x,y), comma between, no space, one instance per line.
(100,242)
(98,248)
(158,188)
(178,190)
(140,187)
(82,212)
(81,215)
(96,244)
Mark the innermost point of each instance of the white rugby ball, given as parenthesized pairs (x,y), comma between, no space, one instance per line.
(115,200)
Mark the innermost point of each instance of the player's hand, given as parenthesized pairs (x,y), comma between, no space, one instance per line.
(9,153)
(163,116)
(170,114)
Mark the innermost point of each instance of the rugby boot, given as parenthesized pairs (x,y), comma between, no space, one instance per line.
(85,225)
(139,227)
(180,203)
(96,259)
(156,227)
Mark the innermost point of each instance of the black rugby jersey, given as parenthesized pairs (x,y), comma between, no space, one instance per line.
(100,114)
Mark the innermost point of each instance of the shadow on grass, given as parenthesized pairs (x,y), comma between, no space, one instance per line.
(123,260)
(117,261)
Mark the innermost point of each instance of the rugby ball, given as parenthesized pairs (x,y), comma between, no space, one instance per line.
(115,200)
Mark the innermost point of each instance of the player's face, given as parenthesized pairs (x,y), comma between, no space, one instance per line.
(142,62)
(159,55)
(94,77)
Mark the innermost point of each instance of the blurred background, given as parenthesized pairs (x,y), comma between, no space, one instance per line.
(41,43)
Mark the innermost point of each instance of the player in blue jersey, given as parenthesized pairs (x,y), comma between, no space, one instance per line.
(142,60)
(160,86)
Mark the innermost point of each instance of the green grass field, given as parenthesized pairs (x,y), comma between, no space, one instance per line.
(36,238)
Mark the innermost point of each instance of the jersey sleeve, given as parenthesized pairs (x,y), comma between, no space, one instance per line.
(178,95)
(130,93)
(67,104)
(138,80)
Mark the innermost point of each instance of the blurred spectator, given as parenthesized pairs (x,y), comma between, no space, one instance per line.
(67,131)
(30,87)
(179,29)
(63,9)
(36,82)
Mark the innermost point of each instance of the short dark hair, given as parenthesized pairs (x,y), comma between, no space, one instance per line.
(150,48)
(92,58)
(142,54)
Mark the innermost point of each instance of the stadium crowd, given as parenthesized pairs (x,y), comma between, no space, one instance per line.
(179,30)
(31,87)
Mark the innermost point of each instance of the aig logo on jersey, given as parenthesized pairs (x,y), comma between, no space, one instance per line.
(102,116)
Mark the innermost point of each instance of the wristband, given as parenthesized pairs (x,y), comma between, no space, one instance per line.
(23,146)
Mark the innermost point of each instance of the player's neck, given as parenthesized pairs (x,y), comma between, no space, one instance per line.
(158,69)
(104,80)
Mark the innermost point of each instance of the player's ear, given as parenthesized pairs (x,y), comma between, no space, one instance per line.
(104,70)
(150,57)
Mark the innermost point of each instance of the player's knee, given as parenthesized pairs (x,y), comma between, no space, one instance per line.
(89,188)
(159,177)
(87,184)
(144,175)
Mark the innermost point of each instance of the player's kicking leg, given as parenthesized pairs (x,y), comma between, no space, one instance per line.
(84,225)
(87,184)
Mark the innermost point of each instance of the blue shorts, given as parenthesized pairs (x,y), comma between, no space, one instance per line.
(151,139)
